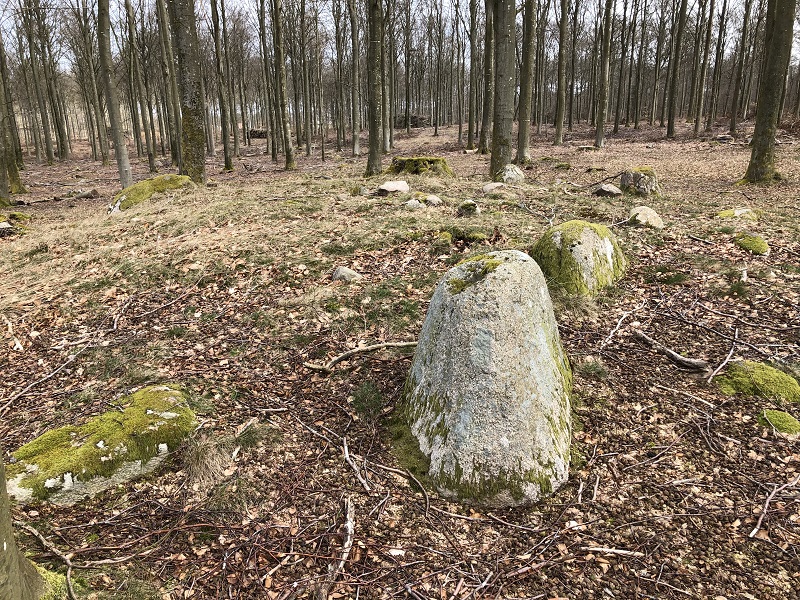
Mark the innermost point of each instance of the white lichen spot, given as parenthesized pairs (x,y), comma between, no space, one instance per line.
(168,415)
(68,482)
(163,448)
(101,444)
(53,482)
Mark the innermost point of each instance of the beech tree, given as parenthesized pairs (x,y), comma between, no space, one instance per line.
(778,46)
(374,86)
(504,76)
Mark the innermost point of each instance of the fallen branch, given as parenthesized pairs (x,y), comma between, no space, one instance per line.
(618,551)
(624,316)
(53,550)
(695,364)
(727,358)
(328,367)
(354,467)
(335,568)
(776,488)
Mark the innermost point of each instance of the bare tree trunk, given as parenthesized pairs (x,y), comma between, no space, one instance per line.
(473,74)
(374,85)
(716,80)
(676,62)
(602,93)
(187,49)
(137,76)
(280,71)
(701,88)
(740,66)
(173,96)
(778,46)
(355,76)
(561,91)
(222,88)
(19,579)
(112,101)
(488,79)
(504,79)
(526,82)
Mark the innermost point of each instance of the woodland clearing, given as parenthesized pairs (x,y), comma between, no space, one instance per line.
(676,490)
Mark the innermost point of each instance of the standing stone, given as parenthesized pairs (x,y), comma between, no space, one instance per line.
(641,181)
(487,397)
(511,174)
(468,208)
(580,258)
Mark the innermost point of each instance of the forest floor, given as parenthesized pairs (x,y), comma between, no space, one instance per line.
(675,491)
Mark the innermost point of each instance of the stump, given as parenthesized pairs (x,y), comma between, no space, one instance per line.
(421,165)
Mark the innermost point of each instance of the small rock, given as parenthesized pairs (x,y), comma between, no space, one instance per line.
(587,148)
(342,197)
(737,213)
(754,244)
(641,181)
(723,138)
(608,189)
(345,274)
(490,187)
(6,225)
(645,216)
(468,208)
(433,200)
(510,174)
(414,204)
(392,187)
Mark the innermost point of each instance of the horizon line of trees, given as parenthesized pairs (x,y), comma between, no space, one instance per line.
(311,75)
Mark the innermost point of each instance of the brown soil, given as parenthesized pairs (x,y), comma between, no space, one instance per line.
(228,290)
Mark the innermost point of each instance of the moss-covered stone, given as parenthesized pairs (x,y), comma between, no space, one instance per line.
(477,267)
(55,584)
(754,244)
(579,258)
(758,379)
(739,213)
(641,181)
(64,461)
(781,421)
(421,165)
(144,190)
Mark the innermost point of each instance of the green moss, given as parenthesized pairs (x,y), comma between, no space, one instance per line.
(477,268)
(562,270)
(752,243)
(563,166)
(468,235)
(645,171)
(143,190)
(781,421)
(18,216)
(421,165)
(739,213)
(758,379)
(152,416)
(55,584)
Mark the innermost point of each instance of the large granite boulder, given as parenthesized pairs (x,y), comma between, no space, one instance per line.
(580,258)
(67,464)
(486,403)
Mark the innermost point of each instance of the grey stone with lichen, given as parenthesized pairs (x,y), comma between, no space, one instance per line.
(487,397)
(641,181)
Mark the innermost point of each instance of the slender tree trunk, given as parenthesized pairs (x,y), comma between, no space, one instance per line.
(526,82)
(472,102)
(222,88)
(187,49)
(716,80)
(623,57)
(488,79)
(572,69)
(740,66)
(147,116)
(280,70)
(701,88)
(561,92)
(374,85)
(355,76)
(676,61)
(778,46)
(641,59)
(602,93)
(112,101)
(173,96)
(504,76)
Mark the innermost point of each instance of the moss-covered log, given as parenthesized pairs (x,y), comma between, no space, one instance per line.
(421,165)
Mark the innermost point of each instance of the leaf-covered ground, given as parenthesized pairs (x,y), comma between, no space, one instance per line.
(676,490)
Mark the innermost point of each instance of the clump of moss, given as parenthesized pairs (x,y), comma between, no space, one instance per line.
(468,235)
(476,269)
(144,190)
(742,213)
(754,244)
(563,166)
(559,255)
(18,216)
(142,422)
(758,379)
(54,584)
(442,243)
(421,165)
(781,421)
(468,208)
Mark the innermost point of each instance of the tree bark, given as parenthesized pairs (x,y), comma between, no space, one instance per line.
(280,72)
(504,79)
(355,76)
(112,100)
(561,92)
(19,579)
(602,93)
(222,88)
(374,86)
(526,82)
(488,79)
(740,66)
(676,62)
(187,49)
(778,46)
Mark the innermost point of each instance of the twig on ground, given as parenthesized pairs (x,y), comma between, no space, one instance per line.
(695,364)
(604,550)
(624,316)
(775,489)
(328,367)
(323,589)
(687,394)
(699,239)
(727,358)
(53,550)
(354,467)
(171,302)
(70,359)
